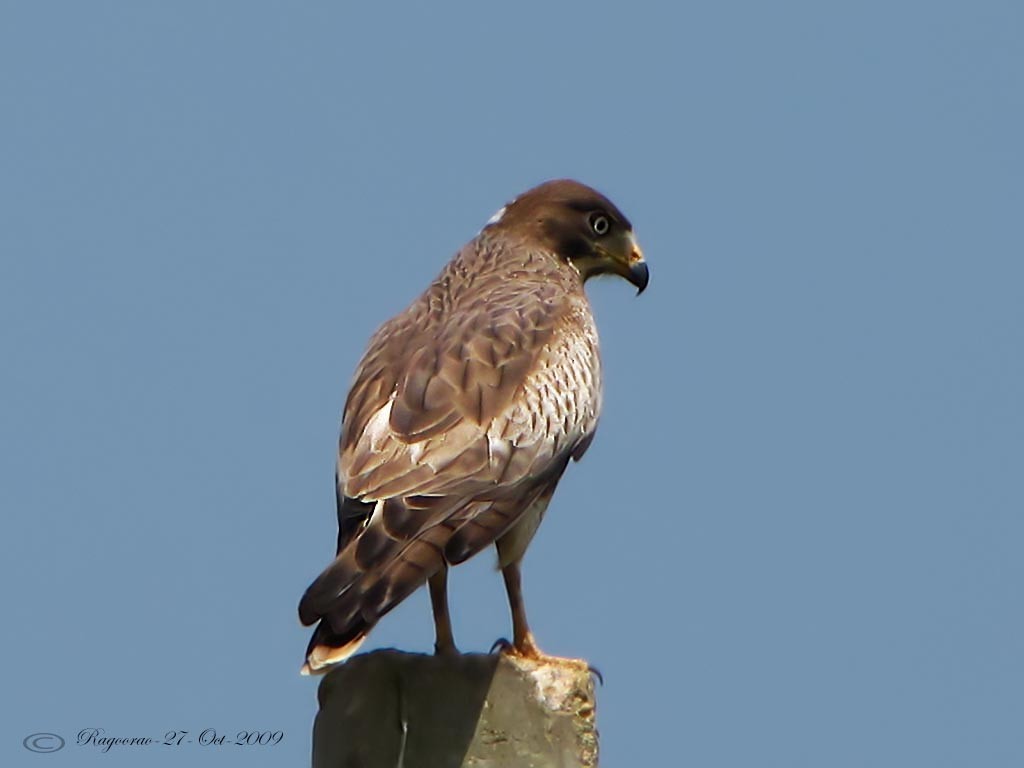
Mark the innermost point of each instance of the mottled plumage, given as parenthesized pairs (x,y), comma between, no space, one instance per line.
(465,411)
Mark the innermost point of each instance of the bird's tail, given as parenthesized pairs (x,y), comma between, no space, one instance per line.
(378,569)
(327,648)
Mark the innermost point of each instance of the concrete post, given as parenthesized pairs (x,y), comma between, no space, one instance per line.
(399,710)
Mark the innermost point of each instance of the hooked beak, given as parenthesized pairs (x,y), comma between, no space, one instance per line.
(637,272)
(621,257)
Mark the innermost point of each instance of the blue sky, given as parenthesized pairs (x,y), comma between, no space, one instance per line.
(797,538)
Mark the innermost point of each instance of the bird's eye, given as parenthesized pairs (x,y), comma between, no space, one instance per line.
(600,224)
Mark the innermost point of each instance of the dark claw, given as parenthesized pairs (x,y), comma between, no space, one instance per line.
(596,673)
(501,645)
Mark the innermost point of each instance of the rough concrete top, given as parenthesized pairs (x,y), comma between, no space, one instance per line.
(402,710)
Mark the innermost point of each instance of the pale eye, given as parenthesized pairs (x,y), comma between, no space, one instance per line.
(600,224)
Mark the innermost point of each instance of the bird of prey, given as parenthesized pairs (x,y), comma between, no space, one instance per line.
(464,413)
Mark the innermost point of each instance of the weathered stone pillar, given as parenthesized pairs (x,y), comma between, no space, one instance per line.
(399,710)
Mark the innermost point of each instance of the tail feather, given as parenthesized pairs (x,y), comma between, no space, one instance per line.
(377,570)
(398,548)
(327,648)
(381,537)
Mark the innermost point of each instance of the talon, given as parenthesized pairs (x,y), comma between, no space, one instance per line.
(501,645)
(596,673)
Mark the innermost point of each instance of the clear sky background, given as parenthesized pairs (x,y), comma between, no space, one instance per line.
(797,539)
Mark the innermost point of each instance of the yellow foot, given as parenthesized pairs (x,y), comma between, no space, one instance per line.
(525,650)
(528,650)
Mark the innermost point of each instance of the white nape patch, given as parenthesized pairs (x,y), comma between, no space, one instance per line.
(497,216)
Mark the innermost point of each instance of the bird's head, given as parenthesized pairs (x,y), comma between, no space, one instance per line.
(579,224)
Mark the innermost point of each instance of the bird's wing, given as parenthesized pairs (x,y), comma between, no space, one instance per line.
(435,392)
(459,411)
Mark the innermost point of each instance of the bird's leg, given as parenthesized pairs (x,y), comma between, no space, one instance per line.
(444,643)
(522,638)
(523,644)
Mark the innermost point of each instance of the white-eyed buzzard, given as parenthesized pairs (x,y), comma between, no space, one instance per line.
(464,412)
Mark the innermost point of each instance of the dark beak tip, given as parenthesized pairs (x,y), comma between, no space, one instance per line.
(639,275)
